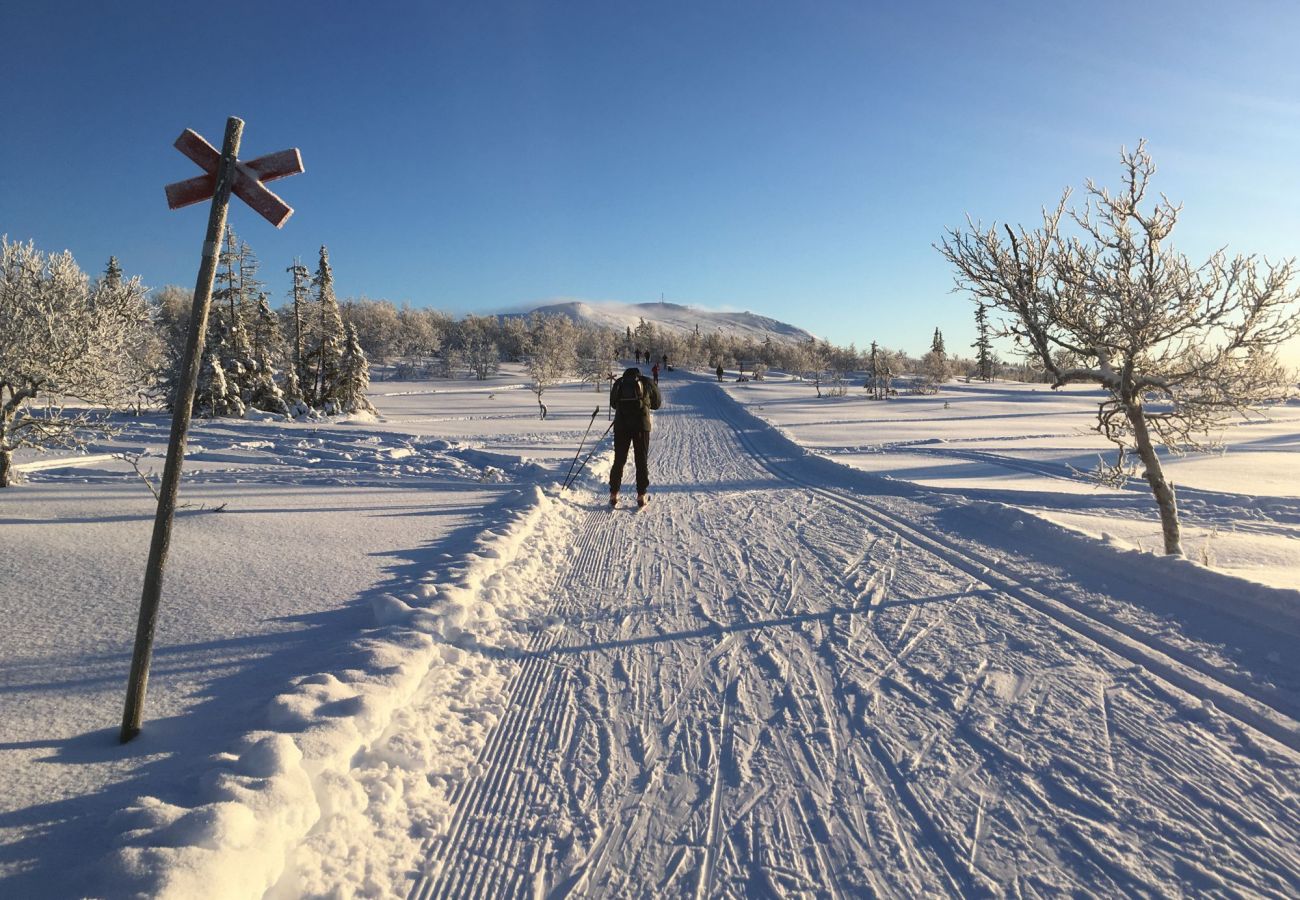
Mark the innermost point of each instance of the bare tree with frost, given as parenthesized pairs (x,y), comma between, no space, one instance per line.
(551,354)
(62,340)
(597,355)
(476,347)
(1179,348)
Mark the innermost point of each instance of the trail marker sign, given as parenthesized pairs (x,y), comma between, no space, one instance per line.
(248,182)
(225,174)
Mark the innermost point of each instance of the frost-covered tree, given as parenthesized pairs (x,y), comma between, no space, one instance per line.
(475,346)
(1179,347)
(328,352)
(551,354)
(234,301)
(143,353)
(597,355)
(376,324)
(934,365)
(299,299)
(216,396)
(292,392)
(354,376)
(61,340)
(881,372)
(264,391)
(814,362)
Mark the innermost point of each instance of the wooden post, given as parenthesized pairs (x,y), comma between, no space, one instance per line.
(162,526)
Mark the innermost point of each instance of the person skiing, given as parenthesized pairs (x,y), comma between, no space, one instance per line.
(632,397)
(654,370)
(719,371)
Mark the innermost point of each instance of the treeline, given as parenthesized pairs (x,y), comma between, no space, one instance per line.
(421,343)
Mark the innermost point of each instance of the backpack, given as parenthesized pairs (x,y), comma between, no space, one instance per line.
(631,391)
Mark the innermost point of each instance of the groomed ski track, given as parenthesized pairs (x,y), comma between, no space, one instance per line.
(771,683)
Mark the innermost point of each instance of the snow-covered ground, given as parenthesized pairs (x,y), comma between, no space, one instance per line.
(394,660)
(1034,448)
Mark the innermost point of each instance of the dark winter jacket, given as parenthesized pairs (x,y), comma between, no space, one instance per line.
(632,407)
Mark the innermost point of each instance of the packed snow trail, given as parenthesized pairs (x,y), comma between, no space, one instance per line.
(765,685)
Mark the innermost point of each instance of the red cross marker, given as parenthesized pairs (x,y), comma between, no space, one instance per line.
(249,178)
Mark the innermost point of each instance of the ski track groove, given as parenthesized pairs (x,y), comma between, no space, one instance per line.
(653,761)
(1238,697)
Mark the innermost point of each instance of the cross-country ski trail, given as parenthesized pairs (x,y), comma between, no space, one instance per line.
(771,682)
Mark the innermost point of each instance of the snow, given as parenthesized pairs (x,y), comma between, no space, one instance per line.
(858,647)
(1034,448)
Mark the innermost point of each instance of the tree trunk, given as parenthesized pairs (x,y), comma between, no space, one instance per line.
(6,468)
(1155,475)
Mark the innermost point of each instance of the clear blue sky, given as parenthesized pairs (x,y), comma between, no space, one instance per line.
(793,158)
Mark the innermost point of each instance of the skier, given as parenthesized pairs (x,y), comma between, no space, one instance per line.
(655,372)
(632,397)
(719,371)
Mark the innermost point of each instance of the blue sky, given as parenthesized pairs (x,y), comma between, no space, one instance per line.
(797,159)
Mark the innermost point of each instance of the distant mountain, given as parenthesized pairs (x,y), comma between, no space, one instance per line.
(675,317)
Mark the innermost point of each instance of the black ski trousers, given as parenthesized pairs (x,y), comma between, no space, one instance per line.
(639,441)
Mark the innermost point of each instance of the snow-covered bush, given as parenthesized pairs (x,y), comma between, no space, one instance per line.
(63,339)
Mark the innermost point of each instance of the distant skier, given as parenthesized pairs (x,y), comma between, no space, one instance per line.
(632,397)
(719,371)
(655,372)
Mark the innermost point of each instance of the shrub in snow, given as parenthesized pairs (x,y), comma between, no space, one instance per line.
(1178,347)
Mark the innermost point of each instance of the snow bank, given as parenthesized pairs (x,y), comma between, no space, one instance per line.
(326,769)
(1257,604)
(1180,578)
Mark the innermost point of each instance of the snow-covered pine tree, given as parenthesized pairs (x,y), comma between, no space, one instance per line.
(934,365)
(328,354)
(292,391)
(215,395)
(268,348)
(234,303)
(299,297)
(354,376)
(983,344)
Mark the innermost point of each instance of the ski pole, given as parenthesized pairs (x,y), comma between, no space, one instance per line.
(595,412)
(590,453)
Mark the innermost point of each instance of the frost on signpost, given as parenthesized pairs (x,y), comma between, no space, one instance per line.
(224,175)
